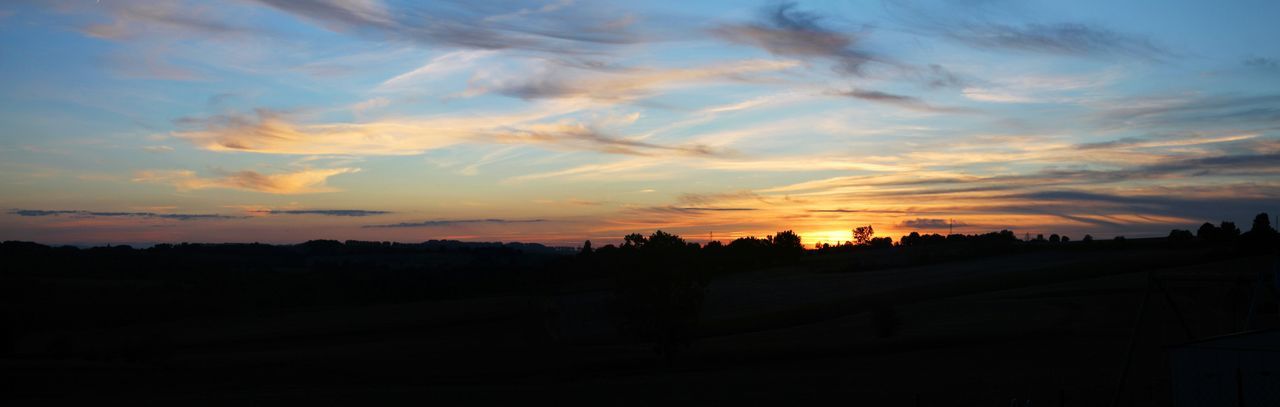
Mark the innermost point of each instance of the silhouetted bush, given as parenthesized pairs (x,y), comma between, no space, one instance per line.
(1180,235)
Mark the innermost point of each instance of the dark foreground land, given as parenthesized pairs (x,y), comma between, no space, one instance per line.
(1060,325)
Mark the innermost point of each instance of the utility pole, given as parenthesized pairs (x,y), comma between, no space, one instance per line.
(951,227)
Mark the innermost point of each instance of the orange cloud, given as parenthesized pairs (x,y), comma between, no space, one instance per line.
(299,182)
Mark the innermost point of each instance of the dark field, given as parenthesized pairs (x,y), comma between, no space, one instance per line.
(1052,324)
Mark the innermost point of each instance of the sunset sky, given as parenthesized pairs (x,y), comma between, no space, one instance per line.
(557,121)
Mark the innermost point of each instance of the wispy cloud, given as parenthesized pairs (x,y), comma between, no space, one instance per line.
(1193,139)
(903,101)
(973,26)
(306,181)
(444,64)
(1196,111)
(582,28)
(324,212)
(101,214)
(930,223)
(158,149)
(132,19)
(1269,64)
(273,133)
(578,136)
(617,85)
(454,222)
(784,30)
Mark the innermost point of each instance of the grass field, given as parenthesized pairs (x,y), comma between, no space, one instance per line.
(1050,326)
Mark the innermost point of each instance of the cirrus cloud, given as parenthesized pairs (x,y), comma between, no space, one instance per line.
(306,181)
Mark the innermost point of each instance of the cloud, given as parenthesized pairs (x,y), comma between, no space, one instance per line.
(1059,38)
(270,132)
(842,210)
(923,223)
(474,25)
(691,210)
(273,133)
(1169,204)
(306,181)
(617,85)
(903,101)
(786,31)
(973,26)
(325,212)
(453,222)
(1270,64)
(1193,111)
(134,19)
(1193,139)
(98,214)
(440,65)
(158,149)
(581,137)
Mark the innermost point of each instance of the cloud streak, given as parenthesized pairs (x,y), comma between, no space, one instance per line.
(973,27)
(903,101)
(930,223)
(783,30)
(100,214)
(268,132)
(463,24)
(308,181)
(454,222)
(324,212)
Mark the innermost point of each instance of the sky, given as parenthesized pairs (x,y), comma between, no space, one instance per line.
(559,121)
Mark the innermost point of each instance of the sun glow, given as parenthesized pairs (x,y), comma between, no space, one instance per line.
(832,237)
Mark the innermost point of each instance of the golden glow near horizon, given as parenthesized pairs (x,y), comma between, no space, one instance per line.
(545,121)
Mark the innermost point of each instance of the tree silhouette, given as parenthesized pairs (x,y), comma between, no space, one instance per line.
(1228,230)
(787,245)
(1208,231)
(881,242)
(633,240)
(1180,235)
(862,235)
(1262,225)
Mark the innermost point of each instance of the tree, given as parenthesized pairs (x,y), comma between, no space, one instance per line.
(862,235)
(1207,231)
(1088,238)
(1179,235)
(1054,238)
(912,239)
(787,240)
(1228,230)
(664,241)
(633,240)
(1262,225)
(881,242)
(586,248)
(787,245)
